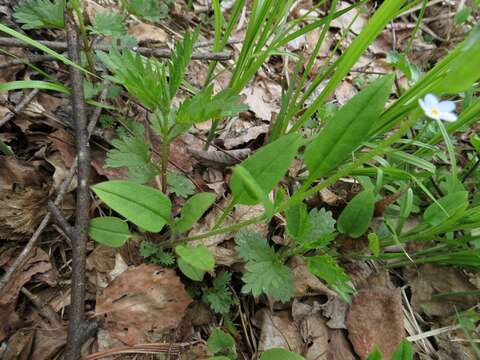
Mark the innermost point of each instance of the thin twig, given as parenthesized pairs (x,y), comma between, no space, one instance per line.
(78,328)
(19,108)
(62,222)
(159,53)
(23,61)
(43,308)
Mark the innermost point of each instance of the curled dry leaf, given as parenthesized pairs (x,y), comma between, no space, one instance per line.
(278,330)
(142,303)
(147,33)
(375,318)
(220,159)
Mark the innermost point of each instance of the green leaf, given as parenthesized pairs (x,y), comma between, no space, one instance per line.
(265,271)
(197,256)
(325,267)
(193,210)
(179,61)
(33,84)
(267,166)
(475,141)
(109,230)
(280,354)
(132,151)
(37,14)
(462,16)
(219,341)
(374,244)
(189,271)
(400,61)
(219,358)
(220,297)
(357,215)
(155,254)
(319,230)
(5,149)
(403,351)
(465,70)
(179,184)
(150,10)
(205,106)
(148,208)
(108,24)
(375,354)
(348,129)
(445,207)
(297,220)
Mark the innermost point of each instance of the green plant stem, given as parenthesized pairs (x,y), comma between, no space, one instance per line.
(234,227)
(83,32)
(450,150)
(164,161)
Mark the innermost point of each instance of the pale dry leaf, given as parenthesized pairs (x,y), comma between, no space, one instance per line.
(142,303)
(278,330)
(147,33)
(344,92)
(336,310)
(375,318)
(344,21)
(220,159)
(263,98)
(246,136)
(339,347)
(48,343)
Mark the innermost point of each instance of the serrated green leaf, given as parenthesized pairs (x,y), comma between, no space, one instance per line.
(348,128)
(446,207)
(179,184)
(220,297)
(155,254)
(319,230)
(109,230)
(197,256)
(205,106)
(267,166)
(179,61)
(219,341)
(265,271)
(145,206)
(375,354)
(150,10)
(37,14)
(133,152)
(280,354)
(193,209)
(189,271)
(357,215)
(403,351)
(108,24)
(325,267)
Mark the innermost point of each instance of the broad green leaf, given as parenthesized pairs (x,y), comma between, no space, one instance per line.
(465,70)
(446,207)
(357,215)
(179,184)
(193,210)
(348,129)
(280,354)
(374,244)
(5,149)
(267,166)
(109,230)
(220,340)
(403,351)
(33,84)
(197,256)
(375,354)
(297,220)
(253,189)
(325,267)
(146,207)
(190,271)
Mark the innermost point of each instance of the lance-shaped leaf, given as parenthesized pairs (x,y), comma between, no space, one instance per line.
(109,230)
(357,215)
(193,210)
(348,128)
(148,208)
(197,256)
(267,166)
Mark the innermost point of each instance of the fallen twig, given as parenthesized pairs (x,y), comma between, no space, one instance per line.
(172,349)
(32,59)
(43,308)
(78,328)
(160,53)
(19,108)
(61,221)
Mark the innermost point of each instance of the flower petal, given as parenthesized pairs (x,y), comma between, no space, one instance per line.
(431,114)
(446,106)
(449,117)
(431,100)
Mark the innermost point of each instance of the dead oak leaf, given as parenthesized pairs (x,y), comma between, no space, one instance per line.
(142,302)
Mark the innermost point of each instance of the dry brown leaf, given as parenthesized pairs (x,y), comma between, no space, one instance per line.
(344,92)
(425,283)
(220,159)
(335,310)
(344,21)
(339,347)
(147,33)
(263,98)
(246,136)
(48,343)
(19,345)
(305,281)
(14,171)
(141,303)
(278,330)
(375,318)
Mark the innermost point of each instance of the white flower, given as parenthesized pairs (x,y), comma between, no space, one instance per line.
(438,110)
